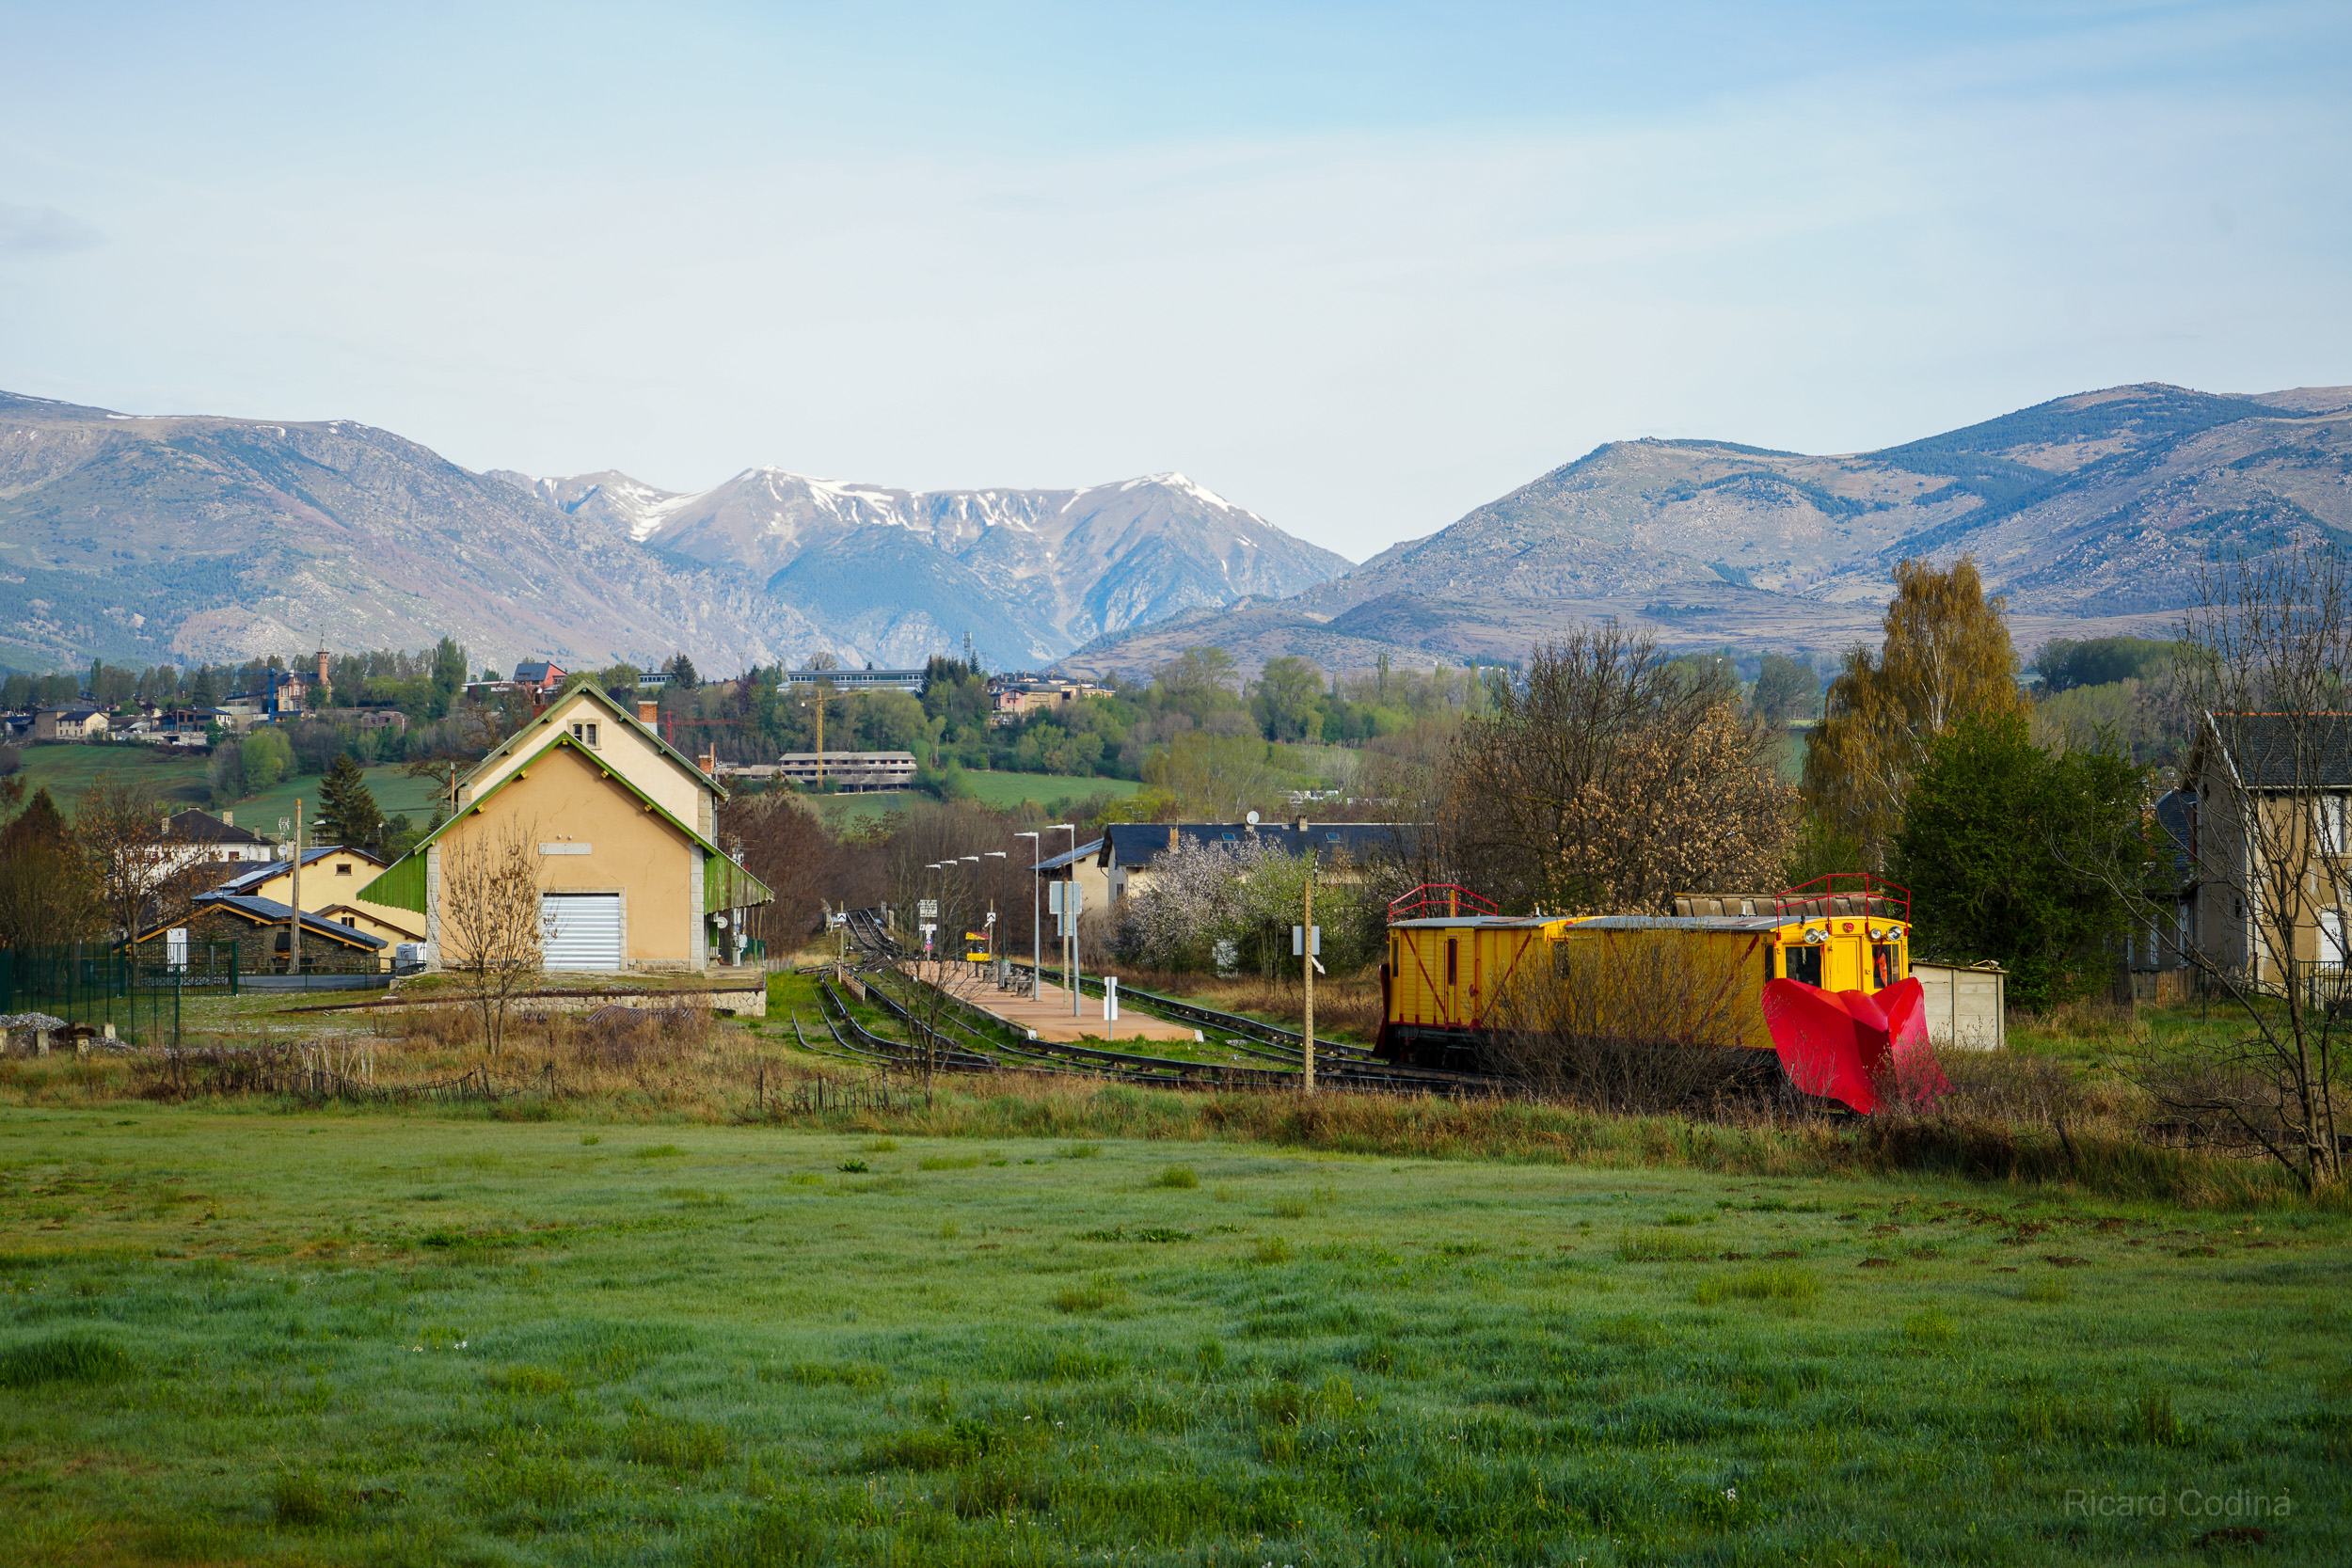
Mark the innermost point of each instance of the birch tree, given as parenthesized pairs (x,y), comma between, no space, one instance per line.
(1947,652)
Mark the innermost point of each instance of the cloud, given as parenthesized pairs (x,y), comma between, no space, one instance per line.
(37,230)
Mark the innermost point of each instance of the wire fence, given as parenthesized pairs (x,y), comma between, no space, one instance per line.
(97,991)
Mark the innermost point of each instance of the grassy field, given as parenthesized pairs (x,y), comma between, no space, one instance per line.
(311,1337)
(995,789)
(66,771)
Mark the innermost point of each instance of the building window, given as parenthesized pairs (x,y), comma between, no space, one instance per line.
(585,735)
(342,868)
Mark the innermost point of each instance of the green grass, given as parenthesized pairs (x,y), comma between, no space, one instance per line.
(66,771)
(331,1337)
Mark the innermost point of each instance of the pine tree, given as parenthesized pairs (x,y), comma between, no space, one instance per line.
(348,814)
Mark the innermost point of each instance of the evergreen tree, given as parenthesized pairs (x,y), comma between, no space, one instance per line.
(682,675)
(1996,839)
(348,814)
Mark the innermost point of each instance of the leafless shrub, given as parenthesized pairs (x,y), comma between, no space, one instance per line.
(490,919)
(1632,1023)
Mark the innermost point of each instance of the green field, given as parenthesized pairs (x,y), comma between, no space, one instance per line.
(276,1336)
(66,771)
(995,789)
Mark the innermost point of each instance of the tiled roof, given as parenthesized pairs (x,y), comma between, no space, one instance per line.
(270,911)
(261,873)
(196,827)
(2288,751)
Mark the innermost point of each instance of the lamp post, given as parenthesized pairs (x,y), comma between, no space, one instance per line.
(994,855)
(976,861)
(1069,921)
(1037,928)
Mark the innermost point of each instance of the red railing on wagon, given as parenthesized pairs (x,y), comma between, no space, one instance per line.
(1432,900)
(1841,893)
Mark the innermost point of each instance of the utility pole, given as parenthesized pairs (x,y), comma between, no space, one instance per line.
(1307,965)
(294,922)
(1069,921)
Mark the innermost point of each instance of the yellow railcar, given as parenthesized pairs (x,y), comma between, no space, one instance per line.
(1452,959)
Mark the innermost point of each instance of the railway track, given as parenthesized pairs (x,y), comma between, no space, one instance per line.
(1338,1066)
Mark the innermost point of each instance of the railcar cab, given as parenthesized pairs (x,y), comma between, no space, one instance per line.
(1844,932)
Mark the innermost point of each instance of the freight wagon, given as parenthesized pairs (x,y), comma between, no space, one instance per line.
(1452,959)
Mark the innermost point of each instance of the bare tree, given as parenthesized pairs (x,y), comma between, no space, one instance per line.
(780,840)
(491,928)
(2268,850)
(1600,781)
(119,827)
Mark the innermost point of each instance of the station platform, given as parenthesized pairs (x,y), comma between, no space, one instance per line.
(1049,1014)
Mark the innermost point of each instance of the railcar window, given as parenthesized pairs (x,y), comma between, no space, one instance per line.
(1450,953)
(1886,965)
(1805,963)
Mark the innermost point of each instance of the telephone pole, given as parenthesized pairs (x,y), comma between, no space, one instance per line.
(294,923)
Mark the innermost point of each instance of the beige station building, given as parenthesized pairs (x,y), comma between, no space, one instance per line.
(623,827)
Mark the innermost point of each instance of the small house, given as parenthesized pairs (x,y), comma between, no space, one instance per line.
(79,723)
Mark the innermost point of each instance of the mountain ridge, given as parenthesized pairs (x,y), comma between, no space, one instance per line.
(2095,510)
(201,536)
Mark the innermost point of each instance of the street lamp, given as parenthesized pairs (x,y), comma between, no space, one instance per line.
(1069,921)
(1036,929)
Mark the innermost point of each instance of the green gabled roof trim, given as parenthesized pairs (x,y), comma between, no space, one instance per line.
(410,868)
(399,885)
(727,886)
(613,705)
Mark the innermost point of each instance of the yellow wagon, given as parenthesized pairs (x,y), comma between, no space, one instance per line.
(1452,958)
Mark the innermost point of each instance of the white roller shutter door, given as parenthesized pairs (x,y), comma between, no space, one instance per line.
(581,931)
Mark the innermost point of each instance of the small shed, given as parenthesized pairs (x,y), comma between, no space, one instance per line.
(1967,1006)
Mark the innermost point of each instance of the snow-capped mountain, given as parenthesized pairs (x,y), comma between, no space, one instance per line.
(140,538)
(897,574)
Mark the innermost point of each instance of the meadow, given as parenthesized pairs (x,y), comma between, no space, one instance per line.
(999,790)
(180,782)
(253,1332)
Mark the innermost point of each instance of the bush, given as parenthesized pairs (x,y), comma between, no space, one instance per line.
(1180,1176)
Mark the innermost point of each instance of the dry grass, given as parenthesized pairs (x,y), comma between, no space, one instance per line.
(2013,1120)
(1347,1007)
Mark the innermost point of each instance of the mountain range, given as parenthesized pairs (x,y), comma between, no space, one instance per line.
(2093,513)
(138,538)
(1031,573)
(154,538)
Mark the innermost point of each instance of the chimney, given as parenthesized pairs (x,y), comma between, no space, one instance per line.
(648,714)
(709,762)
(229,819)
(1302,824)
(1171,835)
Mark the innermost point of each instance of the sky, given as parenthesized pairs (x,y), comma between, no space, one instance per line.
(1358,267)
